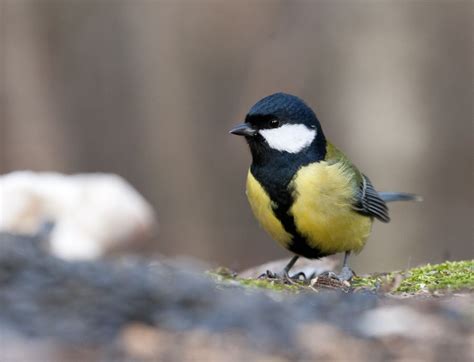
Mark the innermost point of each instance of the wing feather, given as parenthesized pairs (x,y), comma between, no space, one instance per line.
(369,202)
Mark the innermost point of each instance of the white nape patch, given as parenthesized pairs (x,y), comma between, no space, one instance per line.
(290,138)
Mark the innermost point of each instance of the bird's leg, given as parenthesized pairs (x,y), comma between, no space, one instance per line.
(287,268)
(290,264)
(346,272)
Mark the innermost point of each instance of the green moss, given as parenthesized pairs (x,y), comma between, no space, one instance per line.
(449,276)
(373,281)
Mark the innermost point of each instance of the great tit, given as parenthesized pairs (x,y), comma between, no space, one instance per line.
(304,191)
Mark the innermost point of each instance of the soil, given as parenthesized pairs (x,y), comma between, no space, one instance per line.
(140,309)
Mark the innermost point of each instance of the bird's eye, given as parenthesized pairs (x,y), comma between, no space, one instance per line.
(274,123)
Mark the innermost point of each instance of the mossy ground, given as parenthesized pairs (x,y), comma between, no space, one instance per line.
(227,276)
(447,277)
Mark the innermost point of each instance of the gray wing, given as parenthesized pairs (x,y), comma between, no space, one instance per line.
(369,202)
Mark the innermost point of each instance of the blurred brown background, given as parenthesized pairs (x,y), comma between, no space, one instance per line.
(149,89)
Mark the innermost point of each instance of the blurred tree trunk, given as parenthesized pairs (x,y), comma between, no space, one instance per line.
(149,89)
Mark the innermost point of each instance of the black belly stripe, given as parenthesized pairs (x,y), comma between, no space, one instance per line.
(281,195)
(299,244)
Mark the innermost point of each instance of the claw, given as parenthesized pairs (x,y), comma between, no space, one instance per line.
(298,276)
(268,274)
(283,276)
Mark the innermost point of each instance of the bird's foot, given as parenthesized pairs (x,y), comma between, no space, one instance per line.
(284,276)
(345,276)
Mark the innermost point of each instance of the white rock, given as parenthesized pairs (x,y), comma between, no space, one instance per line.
(93,213)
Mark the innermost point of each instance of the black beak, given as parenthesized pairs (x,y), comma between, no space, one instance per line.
(243,129)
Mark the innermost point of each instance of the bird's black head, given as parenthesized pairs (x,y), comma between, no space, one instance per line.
(282,124)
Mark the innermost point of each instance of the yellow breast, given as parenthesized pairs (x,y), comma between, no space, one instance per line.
(262,209)
(322,211)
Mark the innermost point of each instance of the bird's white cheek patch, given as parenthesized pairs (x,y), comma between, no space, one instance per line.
(290,138)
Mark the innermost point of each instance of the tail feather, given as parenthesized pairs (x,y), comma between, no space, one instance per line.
(399,196)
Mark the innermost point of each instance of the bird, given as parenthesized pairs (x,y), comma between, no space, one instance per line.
(305,193)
